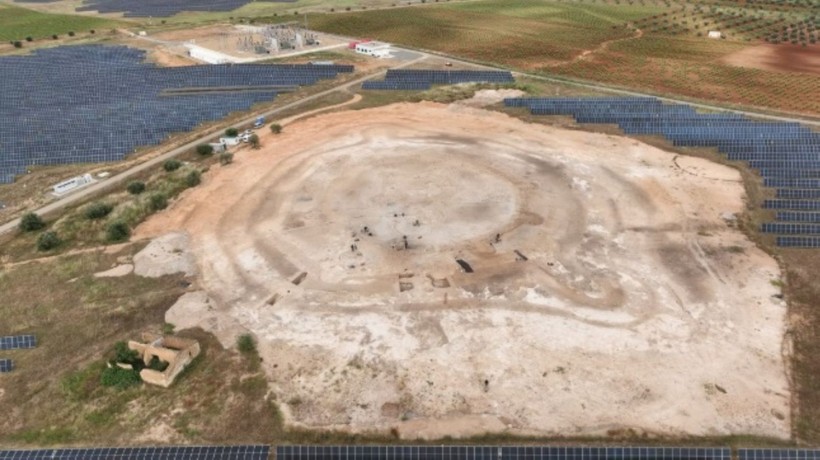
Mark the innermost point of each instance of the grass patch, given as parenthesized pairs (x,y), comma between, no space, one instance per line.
(18,23)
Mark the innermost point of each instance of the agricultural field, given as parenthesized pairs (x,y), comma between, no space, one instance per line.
(600,42)
(18,23)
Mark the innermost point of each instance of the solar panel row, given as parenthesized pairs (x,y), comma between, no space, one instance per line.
(778,454)
(16,342)
(248,452)
(6,365)
(787,155)
(420,79)
(498,453)
(303,452)
(94,103)
(159,8)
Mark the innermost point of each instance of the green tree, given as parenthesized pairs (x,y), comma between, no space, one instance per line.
(18,44)
(98,210)
(171,165)
(225,158)
(276,128)
(31,222)
(158,201)
(254,141)
(193,178)
(136,187)
(245,343)
(48,241)
(205,149)
(231,132)
(118,231)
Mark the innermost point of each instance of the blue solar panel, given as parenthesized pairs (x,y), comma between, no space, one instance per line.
(787,155)
(499,453)
(778,454)
(81,104)
(159,8)
(17,342)
(797,216)
(6,365)
(249,452)
(421,79)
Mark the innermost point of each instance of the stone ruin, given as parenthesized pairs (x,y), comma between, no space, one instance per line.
(176,351)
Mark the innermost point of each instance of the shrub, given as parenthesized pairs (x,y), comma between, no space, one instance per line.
(157,364)
(193,178)
(48,241)
(276,128)
(125,355)
(117,231)
(158,201)
(31,222)
(98,210)
(71,34)
(93,31)
(18,44)
(254,141)
(171,165)
(231,132)
(29,39)
(119,378)
(245,343)
(136,187)
(225,158)
(55,37)
(205,149)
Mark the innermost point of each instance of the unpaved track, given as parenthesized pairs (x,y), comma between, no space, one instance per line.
(631,311)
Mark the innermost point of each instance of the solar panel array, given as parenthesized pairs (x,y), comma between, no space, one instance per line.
(81,104)
(159,8)
(419,79)
(778,454)
(499,453)
(18,342)
(251,452)
(787,155)
(6,365)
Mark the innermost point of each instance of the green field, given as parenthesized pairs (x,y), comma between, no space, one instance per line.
(550,37)
(522,33)
(18,23)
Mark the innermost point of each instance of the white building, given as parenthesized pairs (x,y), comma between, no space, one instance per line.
(714,34)
(375,49)
(72,184)
(210,56)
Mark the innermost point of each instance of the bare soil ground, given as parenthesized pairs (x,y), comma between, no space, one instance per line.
(778,58)
(608,290)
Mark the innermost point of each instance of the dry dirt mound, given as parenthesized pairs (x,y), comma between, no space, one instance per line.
(451,271)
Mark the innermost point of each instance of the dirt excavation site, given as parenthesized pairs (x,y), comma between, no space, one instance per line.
(448,270)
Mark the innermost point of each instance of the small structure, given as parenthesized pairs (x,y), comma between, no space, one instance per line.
(375,49)
(176,351)
(714,34)
(218,147)
(229,141)
(210,56)
(72,184)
